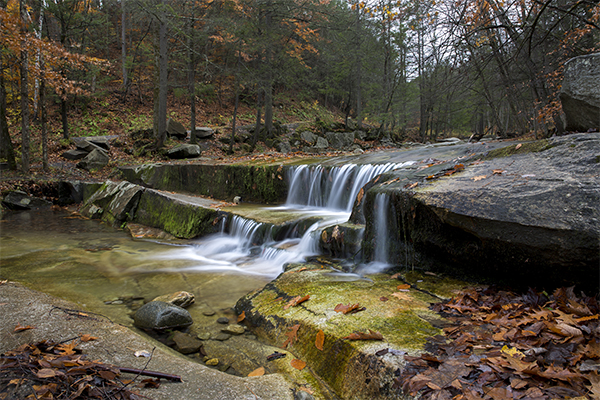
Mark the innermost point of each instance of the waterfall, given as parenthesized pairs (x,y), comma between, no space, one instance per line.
(380,253)
(247,246)
(332,188)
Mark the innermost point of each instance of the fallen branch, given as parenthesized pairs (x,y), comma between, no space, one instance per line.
(153,374)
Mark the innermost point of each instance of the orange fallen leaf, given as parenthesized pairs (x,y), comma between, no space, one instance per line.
(383,298)
(87,338)
(291,336)
(372,335)
(479,177)
(20,328)
(346,309)
(295,301)
(498,171)
(402,296)
(403,287)
(320,340)
(46,373)
(298,364)
(241,317)
(257,372)
(517,147)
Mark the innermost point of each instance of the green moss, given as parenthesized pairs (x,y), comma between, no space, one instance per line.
(520,148)
(179,219)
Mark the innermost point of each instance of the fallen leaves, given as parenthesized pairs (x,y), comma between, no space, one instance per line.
(479,177)
(241,317)
(21,328)
(505,346)
(291,336)
(320,340)
(372,335)
(257,372)
(498,171)
(348,309)
(295,301)
(298,364)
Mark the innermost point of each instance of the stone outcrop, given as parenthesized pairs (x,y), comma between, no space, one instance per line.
(528,214)
(201,133)
(96,159)
(580,93)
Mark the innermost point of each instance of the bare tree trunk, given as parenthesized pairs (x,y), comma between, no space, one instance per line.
(191,80)
(6,147)
(161,108)
(43,122)
(258,125)
(24,99)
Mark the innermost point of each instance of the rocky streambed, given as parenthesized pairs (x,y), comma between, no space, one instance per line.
(523,214)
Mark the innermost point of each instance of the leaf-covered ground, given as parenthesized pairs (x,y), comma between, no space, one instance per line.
(501,345)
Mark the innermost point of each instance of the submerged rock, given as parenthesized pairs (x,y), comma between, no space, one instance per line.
(160,315)
(181,299)
(185,343)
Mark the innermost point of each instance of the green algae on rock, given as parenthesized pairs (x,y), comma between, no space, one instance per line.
(352,369)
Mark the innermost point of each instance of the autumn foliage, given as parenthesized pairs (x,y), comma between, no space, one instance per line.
(504,346)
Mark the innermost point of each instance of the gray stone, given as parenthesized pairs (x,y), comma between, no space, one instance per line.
(87,145)
(181,299)
(284,146)
(97,159)
(222,336)
(360,135)
(234,329)
(222,320)
(74,154)
(176,129)
(186,344)
(118,201)
(308,137)
(580,93)
(340,140)
(201,133)
(18,200)
(321,143)
(160,315)
(184,151)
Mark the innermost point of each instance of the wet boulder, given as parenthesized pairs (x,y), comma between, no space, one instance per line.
(159,315)
(117,200)
(185,343)
(18,200)
(580,93)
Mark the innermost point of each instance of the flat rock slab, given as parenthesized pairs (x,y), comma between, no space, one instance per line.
(528,214)
(53,319)
(351,368)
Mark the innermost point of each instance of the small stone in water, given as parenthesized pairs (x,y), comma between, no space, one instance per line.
(223,320)
(222,336)
(208,313)
(204,335)
(212,362)
(234,329)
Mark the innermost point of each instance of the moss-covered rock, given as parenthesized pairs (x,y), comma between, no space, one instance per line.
(254,183)
(180,218)
(351,368)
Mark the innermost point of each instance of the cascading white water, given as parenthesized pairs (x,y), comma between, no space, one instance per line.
(314,190)
(381,229)
(332,188)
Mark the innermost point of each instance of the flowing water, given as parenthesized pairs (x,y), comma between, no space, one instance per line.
(105,270)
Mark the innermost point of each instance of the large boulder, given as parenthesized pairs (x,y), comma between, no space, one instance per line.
(580,93)
(340,140)
(201,133)
(97,159)
(114,202)
(176,129)
(159,315)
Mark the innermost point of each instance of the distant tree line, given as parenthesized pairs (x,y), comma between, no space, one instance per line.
(425,67)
